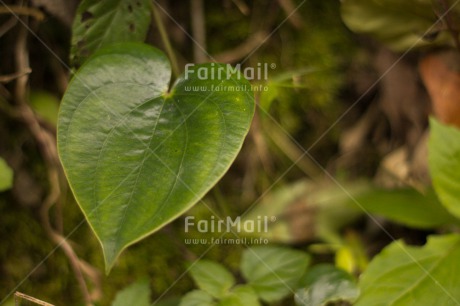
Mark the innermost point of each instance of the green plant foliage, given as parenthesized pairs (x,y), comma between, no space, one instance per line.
(212,277)
(307,210)
(407,206)
(240,296)
(101,23)
(321,210)
(137,156)
(273,272)
(444,163)
(197,298)
(136,294)
(399,24)
(324,284)
(6,176)
(404,275)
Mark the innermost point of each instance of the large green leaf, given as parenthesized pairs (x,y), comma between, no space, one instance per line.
(137,156)
(6,176)
(273,272)
(212,277)
(404,275)
(399,24)
(324,284)
(136,294)
(100,23)
(444,162)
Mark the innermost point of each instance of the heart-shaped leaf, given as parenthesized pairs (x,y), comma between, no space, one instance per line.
(137,156)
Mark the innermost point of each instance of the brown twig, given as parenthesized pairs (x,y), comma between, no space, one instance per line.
(47,146)
(242,6)
(22,10)
(10,77)
(289,9)
(198,31)
(19,295)
(242,50)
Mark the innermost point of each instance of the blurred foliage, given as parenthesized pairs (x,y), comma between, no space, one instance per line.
(6,176)
(320,51)
(45,105)
(324,284)
(304,103)
(402,25)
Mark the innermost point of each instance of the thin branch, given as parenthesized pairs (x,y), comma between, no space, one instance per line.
(198,30)
(47,145)
(10,77)
(289,9)
(18,295)
(22,10)
(242,50)
(242,6)
(165,38)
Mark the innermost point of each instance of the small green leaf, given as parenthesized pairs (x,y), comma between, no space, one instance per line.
(137,156)
(101,23)
(324,284)
(212,277)
(399,24)
(404,275)
(240,296)
(6,176)
(197,298)
(136,294)
(273,272)
(444,163)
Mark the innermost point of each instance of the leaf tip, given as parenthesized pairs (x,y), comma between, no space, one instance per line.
(111,253)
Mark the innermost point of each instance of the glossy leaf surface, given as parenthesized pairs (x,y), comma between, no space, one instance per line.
(137,155)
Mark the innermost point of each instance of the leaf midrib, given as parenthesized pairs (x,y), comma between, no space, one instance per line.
(141,166)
